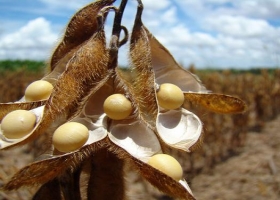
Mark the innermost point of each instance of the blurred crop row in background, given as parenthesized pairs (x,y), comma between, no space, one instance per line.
(224,135)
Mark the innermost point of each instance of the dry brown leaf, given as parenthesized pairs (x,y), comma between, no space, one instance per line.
(219,103)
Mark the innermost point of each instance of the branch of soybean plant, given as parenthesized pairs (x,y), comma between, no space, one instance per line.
(117,27)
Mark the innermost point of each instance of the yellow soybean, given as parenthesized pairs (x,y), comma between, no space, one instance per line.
(18,123)
(167,164)
(117,107)
(170,96)
(38,90)
(70,136)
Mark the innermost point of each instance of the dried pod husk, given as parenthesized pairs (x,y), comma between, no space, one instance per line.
(143,78)
(80,28)
(186,127)
(49,168)
(137,84)
(85,70)
(6,108)
(168,71)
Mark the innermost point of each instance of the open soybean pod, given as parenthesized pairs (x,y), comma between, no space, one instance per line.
(85,71)
(145,89)
(178,127)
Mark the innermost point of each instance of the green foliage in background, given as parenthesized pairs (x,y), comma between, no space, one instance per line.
(256,71)
(28,65)
(39,66)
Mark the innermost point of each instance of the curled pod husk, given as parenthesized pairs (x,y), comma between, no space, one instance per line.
(143,77)
(179,128)
(80,28)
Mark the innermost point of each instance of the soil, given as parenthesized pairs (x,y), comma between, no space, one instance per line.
(252,174)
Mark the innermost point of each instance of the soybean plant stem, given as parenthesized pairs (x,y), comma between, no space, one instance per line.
(117,27)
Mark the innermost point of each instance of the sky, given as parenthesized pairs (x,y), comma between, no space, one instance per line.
(207,33)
